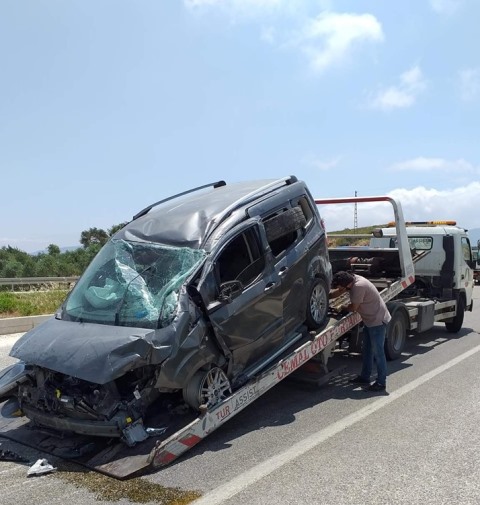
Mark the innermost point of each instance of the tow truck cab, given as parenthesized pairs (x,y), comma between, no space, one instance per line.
(446,271)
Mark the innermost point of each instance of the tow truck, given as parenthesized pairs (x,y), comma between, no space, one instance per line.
(444,280)
(392,272)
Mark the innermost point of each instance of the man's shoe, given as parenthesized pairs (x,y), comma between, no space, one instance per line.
(376,386)
(359,380)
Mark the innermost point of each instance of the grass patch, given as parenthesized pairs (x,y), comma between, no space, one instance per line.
(31,303)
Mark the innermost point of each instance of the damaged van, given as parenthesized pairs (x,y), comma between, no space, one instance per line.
(198,293)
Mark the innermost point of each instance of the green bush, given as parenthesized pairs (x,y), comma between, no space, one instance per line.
(7,303)
(31,303)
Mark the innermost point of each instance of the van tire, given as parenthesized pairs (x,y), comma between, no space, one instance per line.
(207,387)
(287,222)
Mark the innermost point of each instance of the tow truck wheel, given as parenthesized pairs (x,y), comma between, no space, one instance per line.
(207,387)
(455,325)
(396,335)
(317,304)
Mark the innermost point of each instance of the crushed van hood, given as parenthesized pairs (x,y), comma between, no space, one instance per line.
(93,352)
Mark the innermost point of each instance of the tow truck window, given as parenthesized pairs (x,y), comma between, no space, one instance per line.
(467,251)
(420,243)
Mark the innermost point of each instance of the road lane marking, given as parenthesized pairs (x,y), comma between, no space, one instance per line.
(258,472)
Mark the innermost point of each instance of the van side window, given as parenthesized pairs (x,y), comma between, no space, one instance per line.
(241,259)
(282,228)
(304,204)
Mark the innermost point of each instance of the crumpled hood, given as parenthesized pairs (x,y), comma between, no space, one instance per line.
(93,352)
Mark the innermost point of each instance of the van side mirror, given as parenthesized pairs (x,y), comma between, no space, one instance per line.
(229,291)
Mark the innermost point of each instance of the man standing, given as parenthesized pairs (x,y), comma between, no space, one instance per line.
(366,300)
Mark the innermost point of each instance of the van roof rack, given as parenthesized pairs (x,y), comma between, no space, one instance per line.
(217,184)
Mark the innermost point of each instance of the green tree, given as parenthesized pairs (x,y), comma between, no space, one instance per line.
(93,236)
(46,266)
(28,267)
(115,228)
(12,268)
(12,261)
(53,250)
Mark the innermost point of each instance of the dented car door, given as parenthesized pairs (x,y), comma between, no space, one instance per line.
(250,322)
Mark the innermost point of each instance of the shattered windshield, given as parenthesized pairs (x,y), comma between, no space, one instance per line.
(132,284)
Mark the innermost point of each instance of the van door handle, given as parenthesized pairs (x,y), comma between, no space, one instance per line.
(282,271)
(269,286)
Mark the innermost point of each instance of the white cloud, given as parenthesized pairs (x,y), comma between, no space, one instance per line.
(418,204)
(422,164)
(326,40)
(322,165)
(445,6)
(422,204)
(331,37)
(412,84)
(469,84)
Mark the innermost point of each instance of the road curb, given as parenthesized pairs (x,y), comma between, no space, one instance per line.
(18,324)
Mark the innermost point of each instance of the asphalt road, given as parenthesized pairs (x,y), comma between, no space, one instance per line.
(332,445)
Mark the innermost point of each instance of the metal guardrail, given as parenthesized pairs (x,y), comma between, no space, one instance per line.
(23,281)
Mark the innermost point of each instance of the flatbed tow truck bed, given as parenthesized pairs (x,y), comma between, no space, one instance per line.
(181,428)
(185,428)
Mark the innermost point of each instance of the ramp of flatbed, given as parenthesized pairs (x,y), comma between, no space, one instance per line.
(109,456)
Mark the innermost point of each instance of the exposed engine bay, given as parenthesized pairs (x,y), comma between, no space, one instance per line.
(54,400)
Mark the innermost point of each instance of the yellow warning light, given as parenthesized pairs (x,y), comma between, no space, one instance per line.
(424,223)
(58,393)
(129,420)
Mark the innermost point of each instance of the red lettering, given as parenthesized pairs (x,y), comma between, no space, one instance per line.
(281,373)
(225,412)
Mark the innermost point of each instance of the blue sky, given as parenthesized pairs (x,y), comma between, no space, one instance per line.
(107,106)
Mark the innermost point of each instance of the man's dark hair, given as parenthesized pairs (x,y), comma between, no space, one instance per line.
(342,279)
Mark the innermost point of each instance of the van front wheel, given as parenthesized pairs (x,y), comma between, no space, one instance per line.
(207,387)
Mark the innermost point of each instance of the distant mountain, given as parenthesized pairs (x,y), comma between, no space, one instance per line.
(70,248)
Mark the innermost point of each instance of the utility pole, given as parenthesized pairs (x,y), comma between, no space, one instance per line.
(355,217)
